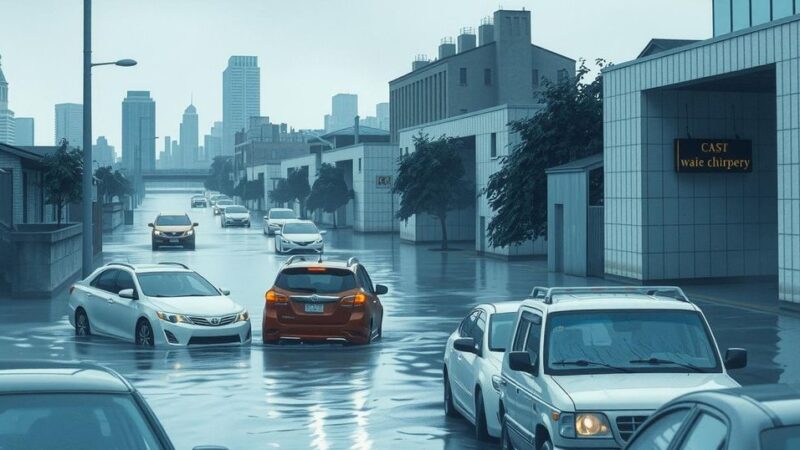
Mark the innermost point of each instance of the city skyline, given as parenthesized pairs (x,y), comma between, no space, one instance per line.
(291,92)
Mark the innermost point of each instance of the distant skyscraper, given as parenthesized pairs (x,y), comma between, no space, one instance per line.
(213,142)
(69,124)
(139,131)
(165,161)
(241,97)
(7,123)
(24,132)
(382,113)
(103,153)
(189,138)
(344,108)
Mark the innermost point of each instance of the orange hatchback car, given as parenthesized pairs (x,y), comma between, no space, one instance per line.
(323,301)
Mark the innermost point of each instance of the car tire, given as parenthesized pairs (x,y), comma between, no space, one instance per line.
(82,326)
(248,224)
(546,445)
(144,334)
(505,439)
(449,407)
(154,245)
(481,429)
(191,246)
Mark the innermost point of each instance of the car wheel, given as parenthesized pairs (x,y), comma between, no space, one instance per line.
(505,439)
(82,327)
(547,445)
(449,408)
(481,430)
(155,246)
(144,334)
(248,224)
(191,246)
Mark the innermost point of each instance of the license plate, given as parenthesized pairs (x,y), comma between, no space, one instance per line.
(174,241)
(314,308)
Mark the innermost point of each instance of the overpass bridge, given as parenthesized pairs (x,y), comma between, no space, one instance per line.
(174,180)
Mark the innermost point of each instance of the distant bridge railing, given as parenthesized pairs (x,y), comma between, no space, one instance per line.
(176,174)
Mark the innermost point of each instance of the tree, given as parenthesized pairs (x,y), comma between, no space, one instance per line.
(281,194)
(569,127)
(330,191)
(62,177)
(431,180)
(297,182)
(111,184)
(220,176)
(249,190)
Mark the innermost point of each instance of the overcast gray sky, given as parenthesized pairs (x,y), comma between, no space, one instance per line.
(308,50)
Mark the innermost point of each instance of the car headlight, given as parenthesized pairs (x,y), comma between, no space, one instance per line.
(283,239)
(190,232)
(173,318)
(318,241)
(591,425)
(497,383)
(243,316)
(157,233)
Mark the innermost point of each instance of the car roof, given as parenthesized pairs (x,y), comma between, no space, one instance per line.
(173,213)
(288,221)
(779,402)
(586,302)
(57,377)
(281,209)
(501,307)
(149,267)
(312,261)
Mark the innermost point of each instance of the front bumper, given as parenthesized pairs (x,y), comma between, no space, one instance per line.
(237,222)
(289,246)
(183,335)
(163,239)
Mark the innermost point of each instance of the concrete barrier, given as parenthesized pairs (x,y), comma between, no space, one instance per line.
(46,258)
(112,216)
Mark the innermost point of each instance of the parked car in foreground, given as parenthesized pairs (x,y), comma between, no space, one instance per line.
(275,219)
(299,235)
(173,229)
(198,201)
(324,301)
(156,304)
(472,359)
(234,216)
(765,417)
(220,204)
(587,366)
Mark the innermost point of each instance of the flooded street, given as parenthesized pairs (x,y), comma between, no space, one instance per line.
(386,395)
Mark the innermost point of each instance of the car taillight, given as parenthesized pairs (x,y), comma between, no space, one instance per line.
(274,297)
(358,299)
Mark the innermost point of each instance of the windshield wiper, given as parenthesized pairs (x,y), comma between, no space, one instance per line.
(659,361)
(586,363)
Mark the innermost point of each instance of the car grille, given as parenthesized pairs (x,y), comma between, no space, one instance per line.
(627,425)
(173,233)
(210,321)
(210,340)
(304,243)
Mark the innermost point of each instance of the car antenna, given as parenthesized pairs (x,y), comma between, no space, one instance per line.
(319,260)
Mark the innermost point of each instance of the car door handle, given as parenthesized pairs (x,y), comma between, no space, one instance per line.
(110,300)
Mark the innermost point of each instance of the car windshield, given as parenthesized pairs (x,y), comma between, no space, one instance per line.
(235,209)
(500,328)
(74,422)
(224,202)
(630,341)
(175,284)
(781,438)
(300,228)
(316,280)
(282,215)
(171,221)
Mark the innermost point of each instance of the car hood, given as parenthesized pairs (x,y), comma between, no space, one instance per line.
(636,391)
(172,229)
(279,221)
(197,306)
(303,237)
(237,215)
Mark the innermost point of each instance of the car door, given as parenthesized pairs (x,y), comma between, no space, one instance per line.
(524,390)
(123,311)
(99,293)
(461,364)
(470,362)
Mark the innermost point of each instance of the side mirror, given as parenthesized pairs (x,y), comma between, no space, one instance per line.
(195,224)
(735,358)
(323,232)
(521,362)
(277,232)
(225,291)
(128,293)
(466,345)
(151,225)
(381,289)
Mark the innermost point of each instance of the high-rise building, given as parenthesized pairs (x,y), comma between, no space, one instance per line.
(165,159)
(241,97)
(213,143)
(7,123)
(103,153)
(69,124)
(24,132)
(139,131)
(382,113)
(189,138)
(344,109)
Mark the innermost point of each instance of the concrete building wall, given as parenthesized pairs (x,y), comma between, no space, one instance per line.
(12,163)
(570,191)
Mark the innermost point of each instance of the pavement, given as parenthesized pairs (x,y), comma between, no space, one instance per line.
(384,396)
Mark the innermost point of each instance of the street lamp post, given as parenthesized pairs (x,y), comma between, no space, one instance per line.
(139,180)
(86,181)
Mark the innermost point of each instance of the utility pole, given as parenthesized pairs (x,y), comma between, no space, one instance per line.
(86,182)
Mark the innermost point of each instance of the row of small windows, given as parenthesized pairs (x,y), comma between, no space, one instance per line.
(562,75)
(735,15)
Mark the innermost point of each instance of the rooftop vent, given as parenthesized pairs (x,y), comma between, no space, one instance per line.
(447,48)
(420,61)
(466,40)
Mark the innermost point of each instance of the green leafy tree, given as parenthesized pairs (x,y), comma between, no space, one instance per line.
(569,127)
(281,194)
(250,189)
(431,180)
(220,176)
(329,192)
(111,184)
(62,177)
(297,182)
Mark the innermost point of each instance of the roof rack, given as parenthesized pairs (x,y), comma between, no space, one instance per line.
(171,263)
(129,266)
(352,260)
(546,294)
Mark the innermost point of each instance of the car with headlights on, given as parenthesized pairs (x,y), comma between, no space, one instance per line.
(275,219)
(586,366)
(323,301)
(234,216)
(300,236)
(472,359)
(164,304)
(220,204)
(760,417)
(173,229)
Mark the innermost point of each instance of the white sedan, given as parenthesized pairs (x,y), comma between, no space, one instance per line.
(472,362)
(299,235)
(156,304)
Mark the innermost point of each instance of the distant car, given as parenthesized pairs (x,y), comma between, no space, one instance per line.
(156,304)
(173,229)
(472,360)
(214,198)
(765,417)
(299,235)
(234,216)
(74,406)
(330,301)
(198,201)
(221,203)
(209,194)
(275,219)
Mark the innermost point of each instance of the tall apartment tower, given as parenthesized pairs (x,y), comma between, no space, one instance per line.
(241,97)
(69,124)
(7,123)
(104,153)
(213,142)
(189,138)
(344,108)
(382,113)
(139,131)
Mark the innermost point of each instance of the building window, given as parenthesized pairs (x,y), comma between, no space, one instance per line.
(462,76)
(722,17)
(359,165)
(494,145)
(487,77)
(761,11)
(535,78)
(741,14)
(562,75)
(781,9)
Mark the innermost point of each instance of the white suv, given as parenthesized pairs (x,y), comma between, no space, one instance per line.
(586,366)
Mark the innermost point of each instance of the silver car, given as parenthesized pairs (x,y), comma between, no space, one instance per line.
(299,235)
(275,219)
